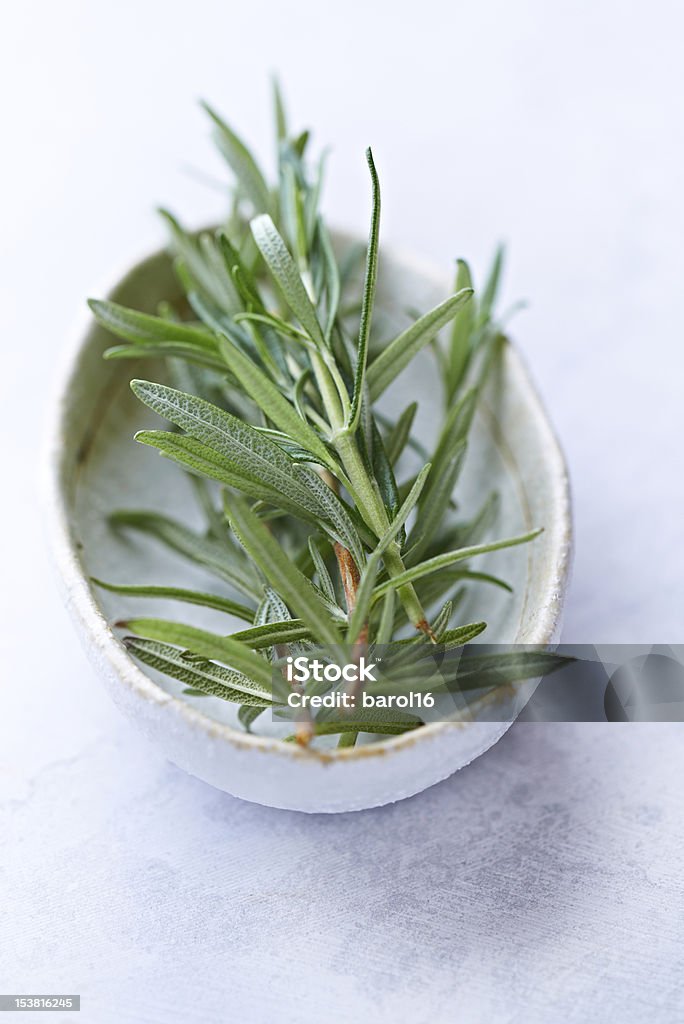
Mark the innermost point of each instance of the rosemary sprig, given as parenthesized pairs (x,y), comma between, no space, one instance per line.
(318,528)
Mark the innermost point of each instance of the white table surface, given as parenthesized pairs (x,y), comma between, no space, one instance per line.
(544,882)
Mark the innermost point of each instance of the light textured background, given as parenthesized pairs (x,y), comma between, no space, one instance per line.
(545,881)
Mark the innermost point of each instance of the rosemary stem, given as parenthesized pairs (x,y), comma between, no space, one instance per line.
(373,511)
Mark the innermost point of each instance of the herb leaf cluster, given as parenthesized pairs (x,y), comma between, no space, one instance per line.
(326,522)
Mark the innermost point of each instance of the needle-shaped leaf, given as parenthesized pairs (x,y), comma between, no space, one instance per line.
(231,652)
(398,437)
(473,531)
(461,335)
(193,268)
(270,633)
(332,279)
(433,508)
(221,558)
(167,350)
(203,675)
(368,298)
(448,558)
(485,577)
(324,581)
(364,593)
(286,275)
(373,720)
(272,609)
(491,287)
(221,604)
(280,115)
(384,474)
(280,571)
(453,433)
(247,715)
(447,462)
(242,163)
(270,400)
(237,454)
(484,671)
(143,329)
(399,352)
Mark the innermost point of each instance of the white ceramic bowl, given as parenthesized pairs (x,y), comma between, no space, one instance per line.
(94,466)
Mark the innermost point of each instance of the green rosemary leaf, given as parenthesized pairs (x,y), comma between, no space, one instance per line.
(210,645)
(442,619)
(313,198)
(485,671)
(278,324)
(347,739)
(210,679)
(371,720)
(143,328)
(461,636)
(300,143)
(460,340)
(200,458)
(221,604)
(280,571)
(275,609)
(324,581)
(221,558)
(332,279)
(453,433)
(286,276)
(272,403)
(439,586)
(242,163)
(399,352)
(279,111)
(433,508)
(215,522)
(448,558)
(270,633)
(221,285)
(236,268)
(239,455)
(491,287)
(485,577)
(191,265)
(168,350)
(410,652)
(247,716)
(215,318)
(399,435)
(292,214)
(290,447)
(364,593)
(447,462)
(368,299)
(384,476)
(473,531)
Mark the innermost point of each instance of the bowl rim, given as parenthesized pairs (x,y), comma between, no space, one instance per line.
(84,609)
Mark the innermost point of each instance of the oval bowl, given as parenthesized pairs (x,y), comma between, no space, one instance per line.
(93,466)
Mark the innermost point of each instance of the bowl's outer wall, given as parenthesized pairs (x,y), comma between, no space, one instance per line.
(263,769)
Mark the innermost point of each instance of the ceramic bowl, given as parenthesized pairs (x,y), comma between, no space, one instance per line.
(94,467)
